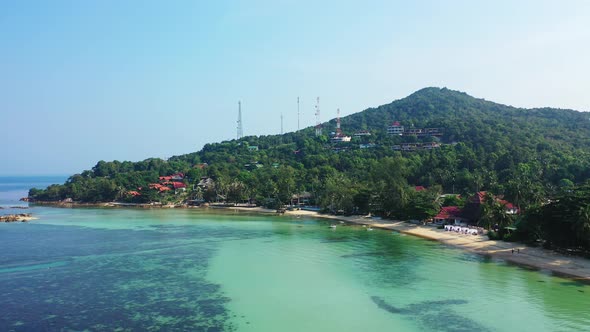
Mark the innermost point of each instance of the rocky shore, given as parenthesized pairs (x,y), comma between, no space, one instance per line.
(23,217)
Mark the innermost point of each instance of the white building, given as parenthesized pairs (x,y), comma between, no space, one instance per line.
(395,129)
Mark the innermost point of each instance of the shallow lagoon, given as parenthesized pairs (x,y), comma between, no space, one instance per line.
(131,269)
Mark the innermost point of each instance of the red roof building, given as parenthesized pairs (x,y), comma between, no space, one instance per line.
(449,214)
(178,185)
(159,187)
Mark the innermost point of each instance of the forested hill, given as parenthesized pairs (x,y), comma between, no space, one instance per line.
(525,154)
(477,121)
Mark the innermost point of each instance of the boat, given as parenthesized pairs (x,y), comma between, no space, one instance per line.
(370,228)
(333,226)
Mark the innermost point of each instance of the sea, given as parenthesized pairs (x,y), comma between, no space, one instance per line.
(125,269)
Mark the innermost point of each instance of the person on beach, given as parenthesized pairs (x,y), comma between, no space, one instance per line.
(512,250)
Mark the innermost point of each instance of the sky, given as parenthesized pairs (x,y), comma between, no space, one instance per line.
(83,81)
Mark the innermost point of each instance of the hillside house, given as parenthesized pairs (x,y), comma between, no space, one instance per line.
(395,129)
(416,146)
(362,133)
(340,138)
(206,183)
(367,146)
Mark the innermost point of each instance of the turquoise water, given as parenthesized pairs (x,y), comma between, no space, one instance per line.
(185,270)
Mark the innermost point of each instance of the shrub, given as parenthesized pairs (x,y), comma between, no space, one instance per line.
(509,237)
(493,235)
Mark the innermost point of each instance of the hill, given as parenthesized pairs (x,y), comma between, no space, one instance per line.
(526,155)
(394,160)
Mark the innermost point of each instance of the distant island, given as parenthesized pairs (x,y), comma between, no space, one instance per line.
(437,155)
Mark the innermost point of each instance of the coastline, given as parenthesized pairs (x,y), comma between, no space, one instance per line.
(572,267)
(576,268)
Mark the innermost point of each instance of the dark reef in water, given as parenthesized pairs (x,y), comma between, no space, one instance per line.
(434,315)
(128,280)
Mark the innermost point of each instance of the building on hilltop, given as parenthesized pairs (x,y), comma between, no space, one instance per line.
(362,133)
(395,129)
(367,146)
(340,138)
(408,147)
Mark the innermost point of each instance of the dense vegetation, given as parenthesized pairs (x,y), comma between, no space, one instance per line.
(529,156)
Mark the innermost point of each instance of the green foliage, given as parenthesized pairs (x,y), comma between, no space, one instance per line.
(493,235)
(453,200)
(564,222)
(529,156)
(493,214)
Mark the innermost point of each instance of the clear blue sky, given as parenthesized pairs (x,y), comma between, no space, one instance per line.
(82,81)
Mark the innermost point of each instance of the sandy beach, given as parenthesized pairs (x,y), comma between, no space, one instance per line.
(576,268)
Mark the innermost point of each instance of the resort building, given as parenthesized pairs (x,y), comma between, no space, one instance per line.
(416,146)
(471,212)
(341,138)
(395,129)
(367,146)
(450,215)
(362,133)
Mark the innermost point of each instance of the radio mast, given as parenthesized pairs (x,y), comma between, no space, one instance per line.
(318,124)
(240,129)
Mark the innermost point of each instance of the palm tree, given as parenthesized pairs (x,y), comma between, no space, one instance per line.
(493,213)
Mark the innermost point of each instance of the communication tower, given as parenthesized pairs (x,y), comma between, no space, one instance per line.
(318,124)
(240,129)
(338,130)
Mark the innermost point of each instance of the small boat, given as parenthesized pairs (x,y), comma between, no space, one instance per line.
(333,226)
(370,228)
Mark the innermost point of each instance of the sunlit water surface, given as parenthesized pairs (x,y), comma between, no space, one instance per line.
(133,269)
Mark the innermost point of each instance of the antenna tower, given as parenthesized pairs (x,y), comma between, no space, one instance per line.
(318,124)
(281,123)
(240,129)
(338,130)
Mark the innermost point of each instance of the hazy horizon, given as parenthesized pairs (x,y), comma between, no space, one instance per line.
(83,82)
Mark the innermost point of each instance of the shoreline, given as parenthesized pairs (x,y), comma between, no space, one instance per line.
(572,267)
